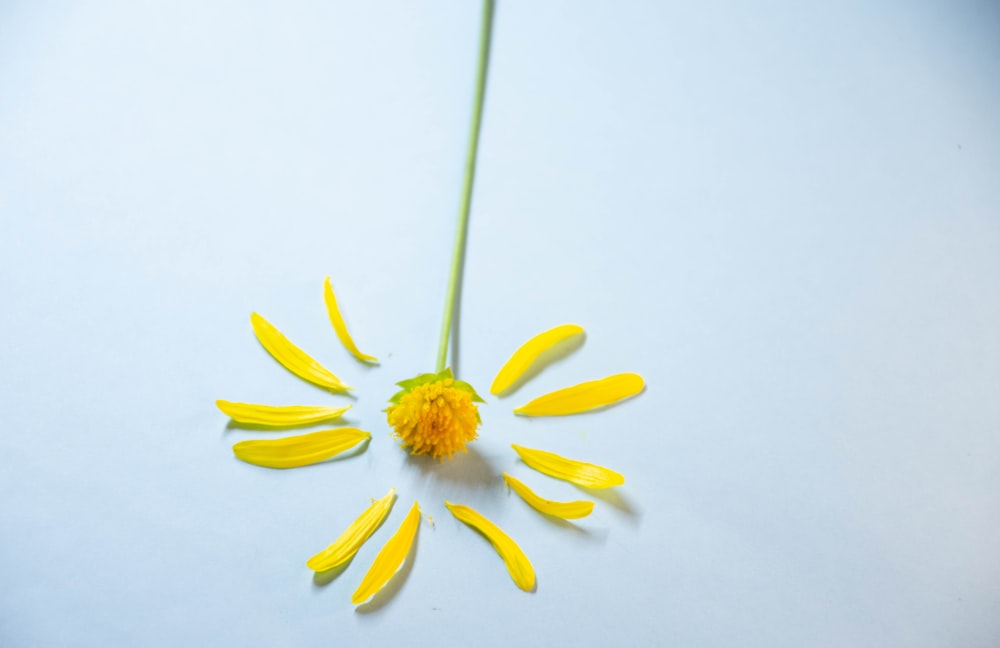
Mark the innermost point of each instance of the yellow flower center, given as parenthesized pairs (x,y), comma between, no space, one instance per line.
(435,418)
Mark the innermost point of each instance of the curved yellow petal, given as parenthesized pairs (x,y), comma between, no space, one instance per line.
(389,559)
(299,450)
(565,510)
(345,546)
(339,327)
(585,396)
(577,472)
(279,416)
(528,352)
(517,563)
(292,357)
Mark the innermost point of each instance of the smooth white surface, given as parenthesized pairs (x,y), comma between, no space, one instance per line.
(785,215)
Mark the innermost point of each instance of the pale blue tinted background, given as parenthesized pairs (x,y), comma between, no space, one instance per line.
(785,215)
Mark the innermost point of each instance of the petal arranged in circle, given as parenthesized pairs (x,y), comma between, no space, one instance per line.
(292,357)
(339,326)
(345,546)
(528,353)
(577,472)
(299,450)
(566,510)
(585,396)
(517,563)
(390,558)
(279,415)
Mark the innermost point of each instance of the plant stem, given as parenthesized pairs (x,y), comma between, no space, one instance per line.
(458,251)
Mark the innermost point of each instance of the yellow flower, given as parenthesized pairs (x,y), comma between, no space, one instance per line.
(434,414)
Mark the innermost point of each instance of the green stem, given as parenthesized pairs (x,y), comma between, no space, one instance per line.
(458,251)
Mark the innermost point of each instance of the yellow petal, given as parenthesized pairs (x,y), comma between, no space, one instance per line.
(339,326)
(528,352)
(344,547)
(299,450)
(281,416)
(517,563)
(292,357)
(389,559)
(577,472)
(585,396)
(565,510)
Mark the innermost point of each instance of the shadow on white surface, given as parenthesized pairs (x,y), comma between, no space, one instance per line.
(614,498)
(467,470)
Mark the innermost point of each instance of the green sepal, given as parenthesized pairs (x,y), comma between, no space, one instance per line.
(466,387)
(423,379)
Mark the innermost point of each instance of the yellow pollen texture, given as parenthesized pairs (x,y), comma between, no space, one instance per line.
(435,419)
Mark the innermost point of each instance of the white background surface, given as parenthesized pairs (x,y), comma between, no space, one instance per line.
(786,216)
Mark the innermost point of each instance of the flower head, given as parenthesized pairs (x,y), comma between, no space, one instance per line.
(434,414)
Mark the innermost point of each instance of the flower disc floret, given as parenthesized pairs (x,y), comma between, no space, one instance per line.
(434,415)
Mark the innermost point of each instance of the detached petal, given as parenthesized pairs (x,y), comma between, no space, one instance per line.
(339,327)
(299,450)
(577,472)
(565,510)
(517,563)
(389,559)
(528,352)
(279,416)
(292,357)
(344,547)
(585,396)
